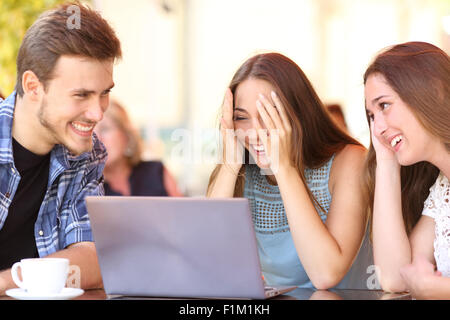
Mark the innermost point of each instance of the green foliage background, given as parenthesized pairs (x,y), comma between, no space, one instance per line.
(16,16)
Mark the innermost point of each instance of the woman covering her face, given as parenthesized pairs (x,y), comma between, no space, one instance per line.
(407,97)
(300,172)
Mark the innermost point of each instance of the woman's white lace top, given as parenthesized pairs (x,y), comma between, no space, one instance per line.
(437,206)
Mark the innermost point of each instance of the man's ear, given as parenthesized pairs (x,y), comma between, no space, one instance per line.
(32,86)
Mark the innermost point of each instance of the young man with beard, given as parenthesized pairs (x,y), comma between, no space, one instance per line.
(50,160)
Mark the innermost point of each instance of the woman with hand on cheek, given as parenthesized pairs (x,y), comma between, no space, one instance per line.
(407,94)
(301,174)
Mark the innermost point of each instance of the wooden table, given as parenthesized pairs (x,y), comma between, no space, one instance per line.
(297,294)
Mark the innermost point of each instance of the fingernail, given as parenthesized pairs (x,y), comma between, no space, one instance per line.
(273,94)
(258,104)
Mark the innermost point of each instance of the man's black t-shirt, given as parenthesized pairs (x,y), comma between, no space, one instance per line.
(17,239)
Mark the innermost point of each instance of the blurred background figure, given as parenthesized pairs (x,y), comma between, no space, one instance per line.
(338,116)
(172,47)
(125,172)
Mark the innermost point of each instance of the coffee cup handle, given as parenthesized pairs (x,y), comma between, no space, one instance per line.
(15,275)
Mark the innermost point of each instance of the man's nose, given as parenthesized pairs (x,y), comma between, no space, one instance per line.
(95,111)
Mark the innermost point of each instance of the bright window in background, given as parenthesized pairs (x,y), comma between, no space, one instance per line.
(179,56)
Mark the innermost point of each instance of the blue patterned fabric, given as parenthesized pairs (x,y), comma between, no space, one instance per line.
(279,260)
(63,218)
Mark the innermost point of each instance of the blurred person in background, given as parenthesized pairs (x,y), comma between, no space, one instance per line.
(126,174)
(338,116)
(407,97)
(308,212)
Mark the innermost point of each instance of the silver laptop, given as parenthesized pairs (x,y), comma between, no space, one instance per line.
(177,247)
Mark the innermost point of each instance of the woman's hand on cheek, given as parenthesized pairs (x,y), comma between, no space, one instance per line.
(232,148)
(382,151)
(277,135)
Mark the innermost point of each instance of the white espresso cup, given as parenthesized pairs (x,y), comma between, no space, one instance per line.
(41,276)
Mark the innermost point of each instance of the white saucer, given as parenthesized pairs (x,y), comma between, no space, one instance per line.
(65,294)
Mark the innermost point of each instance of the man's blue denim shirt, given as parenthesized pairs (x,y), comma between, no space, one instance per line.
(63,218)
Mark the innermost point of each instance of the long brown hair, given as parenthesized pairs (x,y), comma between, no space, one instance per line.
(312,127)
(419,73)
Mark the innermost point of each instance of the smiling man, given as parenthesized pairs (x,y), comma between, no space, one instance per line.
(50,160)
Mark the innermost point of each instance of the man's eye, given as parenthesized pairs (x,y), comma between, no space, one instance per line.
(106,92)
(239,118)
(81,95)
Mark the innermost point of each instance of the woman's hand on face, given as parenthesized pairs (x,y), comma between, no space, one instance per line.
(233,150)
(277,136)
(381,150)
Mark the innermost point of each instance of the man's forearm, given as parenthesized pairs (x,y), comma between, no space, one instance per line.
(6,281)
(82,254)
